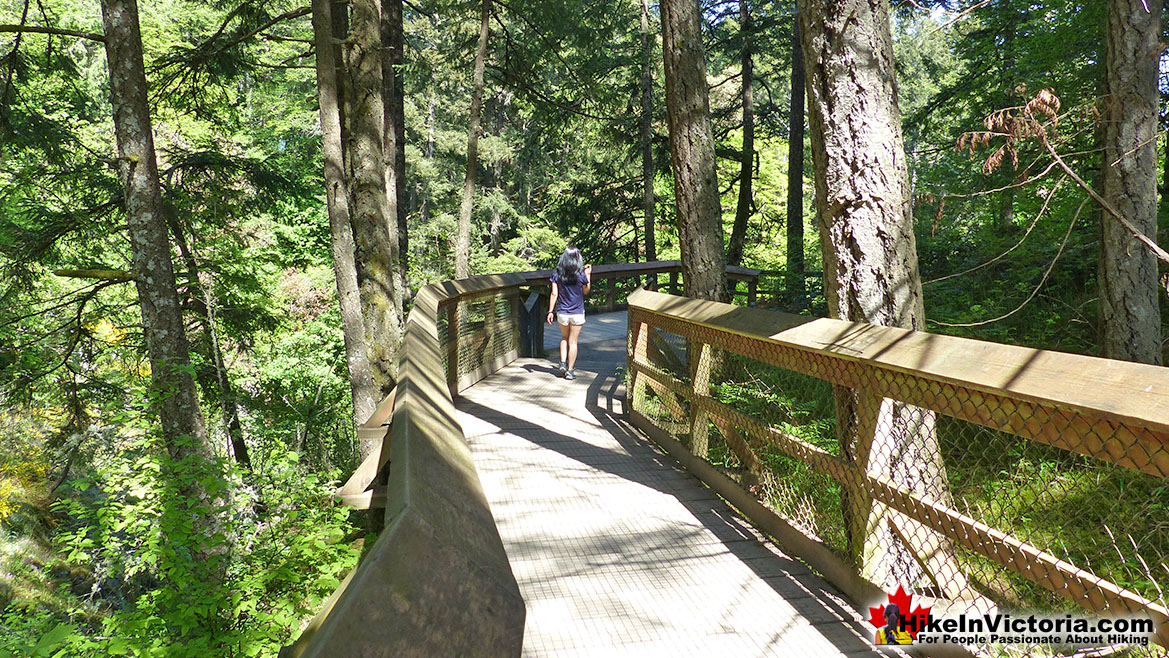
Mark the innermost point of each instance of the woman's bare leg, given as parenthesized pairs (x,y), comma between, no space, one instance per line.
(573,338)
(564,333)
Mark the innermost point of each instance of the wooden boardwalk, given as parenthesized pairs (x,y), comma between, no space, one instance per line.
(616,551)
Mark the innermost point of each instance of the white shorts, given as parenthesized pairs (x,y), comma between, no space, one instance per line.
(566,319)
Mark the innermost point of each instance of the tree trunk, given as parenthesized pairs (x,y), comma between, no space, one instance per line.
(395,137)
(172,386)
(747,166)
(218,385)
(871,275)
(424,211)
(796,289)
(373,220)
(463,238)
(495,173)
(692,152)
(1130,321)
(647,154)
(337,201)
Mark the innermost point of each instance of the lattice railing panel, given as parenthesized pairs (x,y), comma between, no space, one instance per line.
(972,488)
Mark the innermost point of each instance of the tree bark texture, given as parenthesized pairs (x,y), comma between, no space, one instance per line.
(395,136)
(692,152)
(747,166)
(1130,321)
(796,288)
(337,201)
(463,236)
(647,154)
(373,220)
(870,264)
(172,386)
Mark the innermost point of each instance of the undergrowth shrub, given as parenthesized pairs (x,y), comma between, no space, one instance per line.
(231,571)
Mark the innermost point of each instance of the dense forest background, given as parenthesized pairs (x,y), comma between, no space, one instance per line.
(98,555)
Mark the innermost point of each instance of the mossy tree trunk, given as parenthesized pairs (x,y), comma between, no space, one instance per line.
(329,77)
(692,152)
(463,235)
(172,386)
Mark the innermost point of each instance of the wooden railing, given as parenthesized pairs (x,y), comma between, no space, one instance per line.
(887,392)
(437,582)
(611,284)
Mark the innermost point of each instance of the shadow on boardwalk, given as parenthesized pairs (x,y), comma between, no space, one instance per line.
(617,551)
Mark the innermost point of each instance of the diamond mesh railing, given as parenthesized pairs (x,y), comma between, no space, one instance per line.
(977,476)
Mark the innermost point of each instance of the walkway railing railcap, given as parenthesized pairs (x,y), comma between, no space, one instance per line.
(1117,390)
(634,269)
(437,581)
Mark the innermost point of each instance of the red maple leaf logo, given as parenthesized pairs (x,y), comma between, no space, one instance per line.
(910,621)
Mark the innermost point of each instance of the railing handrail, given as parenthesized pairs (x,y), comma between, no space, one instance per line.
(1121,391)
(440,541)
(609,270)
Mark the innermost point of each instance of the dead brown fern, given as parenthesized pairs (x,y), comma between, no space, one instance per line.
(1014,125)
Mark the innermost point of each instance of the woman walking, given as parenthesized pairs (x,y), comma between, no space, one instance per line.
(570,283)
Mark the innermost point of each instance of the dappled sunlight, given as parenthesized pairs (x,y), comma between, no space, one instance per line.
(616,550)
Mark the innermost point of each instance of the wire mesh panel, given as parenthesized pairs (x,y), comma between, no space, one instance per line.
(968,492)
(487,335)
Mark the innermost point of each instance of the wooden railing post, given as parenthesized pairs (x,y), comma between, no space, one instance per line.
(637,351)
(452,347)
(610,294)
(701,361)
(752,291)
(489,313)
(673,283)
(874,528)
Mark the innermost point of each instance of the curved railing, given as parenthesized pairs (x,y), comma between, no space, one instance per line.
(437,581)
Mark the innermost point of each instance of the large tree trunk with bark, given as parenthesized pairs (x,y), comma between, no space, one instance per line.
(395,136)
(747,166)
(692,152)
(871,275)
(337,202)
(463,236)
(172,386)
(796,288)
(373,220)
(647,154)
(1129,317)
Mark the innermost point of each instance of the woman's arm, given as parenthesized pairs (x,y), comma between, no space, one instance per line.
(552,304)
(588,271)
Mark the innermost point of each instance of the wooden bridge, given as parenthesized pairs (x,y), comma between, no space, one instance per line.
(530,515)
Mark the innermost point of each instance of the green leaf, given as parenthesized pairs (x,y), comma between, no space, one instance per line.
(52,639)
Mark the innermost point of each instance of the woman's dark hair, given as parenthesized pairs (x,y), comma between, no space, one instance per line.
(569,267)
